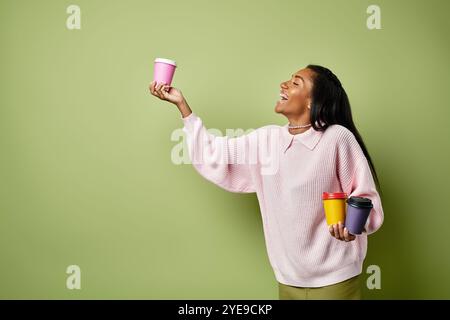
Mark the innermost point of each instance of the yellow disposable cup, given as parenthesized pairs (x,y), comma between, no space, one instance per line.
(335,207)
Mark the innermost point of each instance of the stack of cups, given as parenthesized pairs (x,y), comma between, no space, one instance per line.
(353,212)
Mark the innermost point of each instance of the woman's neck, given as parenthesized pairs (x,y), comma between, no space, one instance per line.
(297,131)
(301,120)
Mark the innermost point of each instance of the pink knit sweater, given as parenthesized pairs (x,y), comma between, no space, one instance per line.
(289,173)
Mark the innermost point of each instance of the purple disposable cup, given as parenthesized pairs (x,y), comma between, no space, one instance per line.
(358,210)
(164,70)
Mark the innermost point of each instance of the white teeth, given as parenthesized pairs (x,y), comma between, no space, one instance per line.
(283,96)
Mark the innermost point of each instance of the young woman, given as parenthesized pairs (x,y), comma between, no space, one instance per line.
(319,150)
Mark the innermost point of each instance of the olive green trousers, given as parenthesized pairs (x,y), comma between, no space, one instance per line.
(346,290)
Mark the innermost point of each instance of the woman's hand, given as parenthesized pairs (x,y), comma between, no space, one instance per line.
(340,232)
(166,93)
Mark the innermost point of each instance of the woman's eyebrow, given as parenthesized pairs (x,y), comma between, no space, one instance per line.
(297,76)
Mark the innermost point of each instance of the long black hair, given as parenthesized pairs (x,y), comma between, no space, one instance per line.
(330,105)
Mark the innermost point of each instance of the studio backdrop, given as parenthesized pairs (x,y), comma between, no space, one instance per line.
(94,204)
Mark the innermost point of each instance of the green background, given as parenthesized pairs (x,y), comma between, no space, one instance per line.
(85,168)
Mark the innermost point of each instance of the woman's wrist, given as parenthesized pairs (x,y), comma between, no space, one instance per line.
(184,108)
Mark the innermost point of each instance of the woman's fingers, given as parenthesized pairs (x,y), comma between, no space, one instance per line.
(165,91)
(157,85)
(348,235)
(159,90)
(341,231)
(336,231)
(152,87)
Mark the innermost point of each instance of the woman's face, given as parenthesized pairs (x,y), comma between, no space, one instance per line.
(297,90)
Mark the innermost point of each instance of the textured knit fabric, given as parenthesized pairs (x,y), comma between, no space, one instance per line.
(289,173)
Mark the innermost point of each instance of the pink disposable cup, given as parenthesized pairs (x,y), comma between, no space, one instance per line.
(164,70)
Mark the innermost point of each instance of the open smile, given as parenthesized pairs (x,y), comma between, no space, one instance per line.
(283,97)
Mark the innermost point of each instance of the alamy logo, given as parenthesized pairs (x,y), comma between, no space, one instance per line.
(236,147)
(74,20)
(374,280)
(374,20)
(74,279)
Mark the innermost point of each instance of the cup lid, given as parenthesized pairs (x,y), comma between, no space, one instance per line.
(168,61)
(360,202)
(334,195)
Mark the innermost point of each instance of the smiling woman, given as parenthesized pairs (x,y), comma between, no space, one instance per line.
(318,151)
(283,95)
(295,98)
(315,96)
